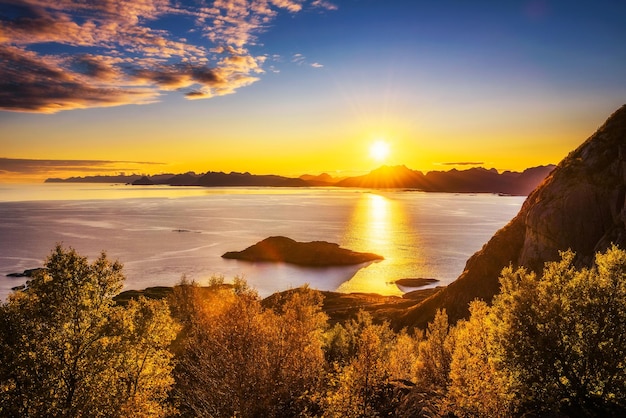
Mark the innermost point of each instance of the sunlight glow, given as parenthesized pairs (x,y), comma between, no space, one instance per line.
(379,225)
(379,150)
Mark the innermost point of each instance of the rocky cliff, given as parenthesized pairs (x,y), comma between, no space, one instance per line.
(579,206)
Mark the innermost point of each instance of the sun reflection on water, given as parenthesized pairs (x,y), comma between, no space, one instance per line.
(381,225)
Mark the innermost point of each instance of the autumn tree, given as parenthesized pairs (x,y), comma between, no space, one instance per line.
(478,388)
(66,350)
(562,335)
(241,359)
(144,363)
(431,369)
(362,385)
(299,363)
(435,355)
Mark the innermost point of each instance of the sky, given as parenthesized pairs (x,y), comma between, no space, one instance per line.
(291,87)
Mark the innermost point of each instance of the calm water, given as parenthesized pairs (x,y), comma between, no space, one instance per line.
(162,233)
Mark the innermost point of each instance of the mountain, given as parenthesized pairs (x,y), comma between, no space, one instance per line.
(219,179)
(473,180)
(386,177)
(121,178)
(323,179)
(581,206)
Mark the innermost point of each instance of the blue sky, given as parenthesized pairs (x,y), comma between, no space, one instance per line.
(288,86)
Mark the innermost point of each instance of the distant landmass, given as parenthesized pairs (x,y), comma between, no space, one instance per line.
(580,206)
(473,180)
(310,254)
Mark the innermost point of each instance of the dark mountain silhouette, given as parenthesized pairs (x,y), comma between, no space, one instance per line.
(580,206)
(219,179)
(143,181)
(121,178)
(473,180)
(323,179)
(399,177)
(187,179)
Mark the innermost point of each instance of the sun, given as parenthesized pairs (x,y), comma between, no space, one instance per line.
(379,150)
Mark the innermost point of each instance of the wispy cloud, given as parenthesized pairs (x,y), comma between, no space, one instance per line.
(464,163)
(300,59)
(325,4)
(12,166)
(69,54)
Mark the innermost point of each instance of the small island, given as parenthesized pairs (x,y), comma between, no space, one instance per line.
(415,282)
(309,254)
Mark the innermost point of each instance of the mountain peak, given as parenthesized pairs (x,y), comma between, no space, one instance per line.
(581,206)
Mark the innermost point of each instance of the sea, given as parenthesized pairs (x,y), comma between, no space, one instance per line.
(164,233)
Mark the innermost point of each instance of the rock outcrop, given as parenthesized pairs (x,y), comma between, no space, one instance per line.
(579,206)
(311,254)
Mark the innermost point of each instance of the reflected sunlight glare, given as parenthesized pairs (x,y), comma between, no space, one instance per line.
(380,225)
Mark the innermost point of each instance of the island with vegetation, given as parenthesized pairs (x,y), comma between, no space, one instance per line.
(310,254)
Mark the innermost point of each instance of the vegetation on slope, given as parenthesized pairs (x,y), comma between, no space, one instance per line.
(552,344)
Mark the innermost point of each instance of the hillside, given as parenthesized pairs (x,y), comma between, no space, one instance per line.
(579,206)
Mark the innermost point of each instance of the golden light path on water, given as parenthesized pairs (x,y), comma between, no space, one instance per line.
(381,225)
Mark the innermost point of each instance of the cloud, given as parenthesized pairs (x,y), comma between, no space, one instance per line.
(70,54)
(464,163)
(36,83)
(298,59)
(10,166)
(324,5)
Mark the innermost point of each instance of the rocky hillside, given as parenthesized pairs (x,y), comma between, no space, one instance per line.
(580,206)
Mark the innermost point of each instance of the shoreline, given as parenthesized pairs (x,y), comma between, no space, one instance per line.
(338,306)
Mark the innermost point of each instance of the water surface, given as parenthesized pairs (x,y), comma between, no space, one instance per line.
(161,233)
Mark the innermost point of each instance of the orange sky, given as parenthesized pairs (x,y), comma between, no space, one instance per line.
(308,90)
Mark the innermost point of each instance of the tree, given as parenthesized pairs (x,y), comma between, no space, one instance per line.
(144,375)
(241,359)
(432,369)
(561,336)
(477,387)
(435,355)
(362,385)
(65,347)
(403,357)
(299,363)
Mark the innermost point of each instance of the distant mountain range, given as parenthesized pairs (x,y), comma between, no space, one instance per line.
(473,180)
